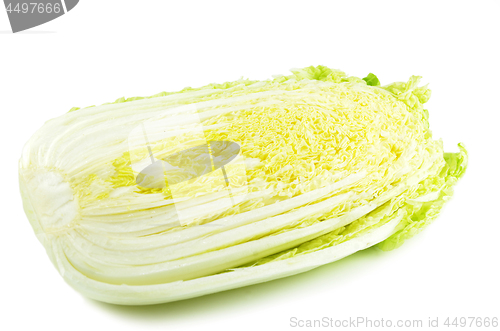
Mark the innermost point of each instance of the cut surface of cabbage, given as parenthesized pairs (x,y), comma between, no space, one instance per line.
(182,194)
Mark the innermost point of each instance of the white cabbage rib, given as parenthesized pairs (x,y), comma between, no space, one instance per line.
(221,224)
(179,290)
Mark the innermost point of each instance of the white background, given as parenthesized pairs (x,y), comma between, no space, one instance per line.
(103,50)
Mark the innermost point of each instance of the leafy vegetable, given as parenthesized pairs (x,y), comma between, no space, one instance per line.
(181,194)
(371,80)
